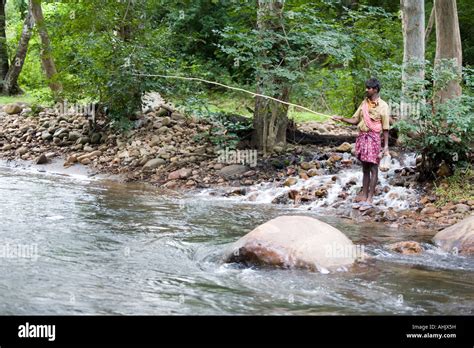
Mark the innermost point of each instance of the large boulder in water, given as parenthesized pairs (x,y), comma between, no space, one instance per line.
(294,241)
(458,238)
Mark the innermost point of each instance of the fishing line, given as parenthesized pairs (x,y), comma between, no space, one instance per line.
(233,88)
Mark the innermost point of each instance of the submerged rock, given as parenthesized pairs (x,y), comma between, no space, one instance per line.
(294,242)
(42,159)
(458,238)
(73,136)
(281,199)
(390,215)
(290,181)
(406,247)
(321,192)
(313,172)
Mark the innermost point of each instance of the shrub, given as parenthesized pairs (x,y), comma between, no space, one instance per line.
(441,131)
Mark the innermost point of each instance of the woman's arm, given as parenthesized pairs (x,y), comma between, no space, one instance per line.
(355,119)
(347,120)
(385,142)
(385,118)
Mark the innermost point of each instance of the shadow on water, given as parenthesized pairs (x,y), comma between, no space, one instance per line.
(108,248)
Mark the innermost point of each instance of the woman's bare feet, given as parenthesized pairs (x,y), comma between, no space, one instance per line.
(360,198)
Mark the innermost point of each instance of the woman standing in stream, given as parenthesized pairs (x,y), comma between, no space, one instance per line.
(371,118)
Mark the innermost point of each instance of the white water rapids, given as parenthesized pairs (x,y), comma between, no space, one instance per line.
(397,197)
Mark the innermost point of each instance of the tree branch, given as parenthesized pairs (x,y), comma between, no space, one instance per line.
(429,27)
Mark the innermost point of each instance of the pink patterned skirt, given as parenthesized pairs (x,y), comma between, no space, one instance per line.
(367,147)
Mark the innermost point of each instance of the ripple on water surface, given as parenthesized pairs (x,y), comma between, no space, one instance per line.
(108,248)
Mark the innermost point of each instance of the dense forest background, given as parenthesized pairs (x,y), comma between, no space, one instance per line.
(313,53)
(193,37)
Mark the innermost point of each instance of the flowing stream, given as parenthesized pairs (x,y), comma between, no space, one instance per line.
(396,197)
(79,245)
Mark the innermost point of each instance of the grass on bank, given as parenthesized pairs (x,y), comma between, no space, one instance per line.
(25,98)
(459,186)
(229,103)
(237,104)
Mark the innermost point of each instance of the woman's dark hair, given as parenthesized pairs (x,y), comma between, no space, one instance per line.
(373,83)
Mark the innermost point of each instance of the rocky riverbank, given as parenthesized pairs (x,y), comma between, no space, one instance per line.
(167,149)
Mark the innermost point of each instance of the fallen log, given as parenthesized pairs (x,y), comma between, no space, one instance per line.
(295,136)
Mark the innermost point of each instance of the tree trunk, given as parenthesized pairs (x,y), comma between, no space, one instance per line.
(270,121)
(46,55)
(350,3)
(413,25)
(125,29)
(3,42)
(10,85)
(271,117)
(448,45)
(429,27)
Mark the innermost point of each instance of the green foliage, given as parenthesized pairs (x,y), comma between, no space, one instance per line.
(100,54)
(376,41)
(215,40)
(443,132)
(466,27)
(242,104)
(224,131)
(281,56)
(194,26)
(327,50)
(36,108)
(100,49)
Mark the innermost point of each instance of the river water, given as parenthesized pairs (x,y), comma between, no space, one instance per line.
(75,245)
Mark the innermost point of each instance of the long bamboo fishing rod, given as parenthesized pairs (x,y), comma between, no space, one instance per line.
(233,88)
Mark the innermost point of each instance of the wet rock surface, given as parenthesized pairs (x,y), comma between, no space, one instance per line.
(294,242)
(458,238)
(406,247)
